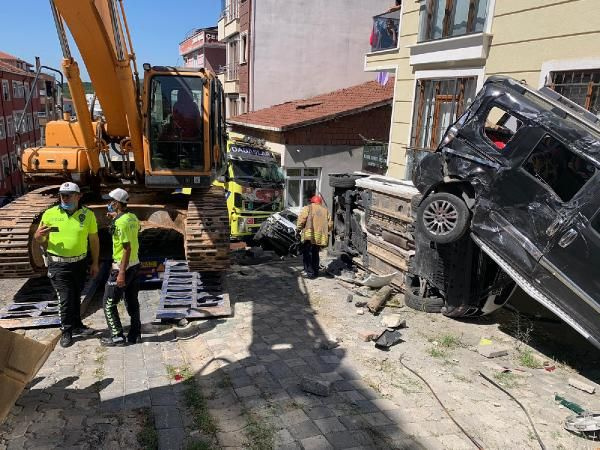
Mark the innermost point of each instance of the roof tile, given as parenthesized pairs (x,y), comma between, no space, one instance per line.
(323,107)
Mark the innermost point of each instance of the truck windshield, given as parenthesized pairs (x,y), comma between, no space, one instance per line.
(257,171)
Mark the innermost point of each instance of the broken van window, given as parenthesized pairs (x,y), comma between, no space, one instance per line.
(500,127)
(560,169)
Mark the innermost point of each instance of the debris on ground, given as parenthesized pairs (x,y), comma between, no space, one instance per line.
(397,301)
(568,404)
(489,349)
(368,335)
(360,311)
(578,384)
(350,298)
(379,298)
(586,425)
(393,321)
(378,281)
(315,385)
(387,339)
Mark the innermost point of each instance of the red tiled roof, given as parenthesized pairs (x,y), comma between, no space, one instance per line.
(317,109)
(5,67)
(4,55)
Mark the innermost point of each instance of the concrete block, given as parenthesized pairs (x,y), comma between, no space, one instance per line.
(393,321)
(492,351)
(581,385)
(315,385)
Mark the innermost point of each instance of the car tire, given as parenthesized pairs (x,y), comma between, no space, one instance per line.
(413,300)
(343,180)
(443,218)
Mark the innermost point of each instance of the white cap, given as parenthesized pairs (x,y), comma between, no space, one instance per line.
(118,194)
(68,188)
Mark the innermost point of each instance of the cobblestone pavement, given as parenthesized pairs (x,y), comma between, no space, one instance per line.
(247,370)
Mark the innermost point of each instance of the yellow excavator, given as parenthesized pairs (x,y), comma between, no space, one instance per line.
(168,131)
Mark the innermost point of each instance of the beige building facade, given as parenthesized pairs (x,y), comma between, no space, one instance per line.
(447,48)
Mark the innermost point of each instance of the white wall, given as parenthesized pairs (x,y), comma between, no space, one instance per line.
(303,48)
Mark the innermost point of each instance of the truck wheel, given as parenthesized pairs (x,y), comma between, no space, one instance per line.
(443,218)
(343,180)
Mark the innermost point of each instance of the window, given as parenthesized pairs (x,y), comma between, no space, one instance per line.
(558,168)
(15,86)
(233,106)
(500,127)
(438,103)
(5,90)
(301,185)
(579,86)
(25,89)
(10,128)
(35,91)
(14,161)
(244,48)
(243,105)
(176,131)
(5,166)
(2,129)
(441,19)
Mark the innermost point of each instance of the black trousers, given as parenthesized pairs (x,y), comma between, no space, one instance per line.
(68,280)
(113,295)
(310,257)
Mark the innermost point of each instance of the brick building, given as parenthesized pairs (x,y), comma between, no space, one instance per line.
(329,133)
(201,49)
(16,81)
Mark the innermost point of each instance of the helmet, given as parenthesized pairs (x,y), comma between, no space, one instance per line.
(68,188)
(118,194)
(316,199)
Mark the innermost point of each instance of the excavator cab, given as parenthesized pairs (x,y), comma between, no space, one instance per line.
(181,147)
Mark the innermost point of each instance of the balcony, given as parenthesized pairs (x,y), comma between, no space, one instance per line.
(229,22)
(231,74)
(385,31)
(384,39)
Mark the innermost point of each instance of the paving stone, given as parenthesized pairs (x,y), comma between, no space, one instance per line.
(349,439)
(377,419)
(171,438)
(304,430)
(315,385)
(316,443)
(162,397)
(166,417)
(319,412)
(282,437)
(293,417)
(329,425)
(247,391)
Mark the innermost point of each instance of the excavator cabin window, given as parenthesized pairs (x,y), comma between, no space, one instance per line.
(176,126)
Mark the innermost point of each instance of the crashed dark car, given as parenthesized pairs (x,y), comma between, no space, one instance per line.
(517,176)
(278,233)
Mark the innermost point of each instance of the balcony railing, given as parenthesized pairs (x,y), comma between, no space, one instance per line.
(231,11)
(231,71)
(385,31)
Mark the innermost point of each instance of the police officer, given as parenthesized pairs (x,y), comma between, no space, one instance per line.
(123,279)
(65,231)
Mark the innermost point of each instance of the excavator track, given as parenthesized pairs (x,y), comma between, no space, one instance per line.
(207,231)
(18,222)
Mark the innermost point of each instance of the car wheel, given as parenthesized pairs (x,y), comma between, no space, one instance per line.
(413,300)
(443,218)
(343,180)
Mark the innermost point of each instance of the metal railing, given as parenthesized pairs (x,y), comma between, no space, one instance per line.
(231,11)
(385,31)
(231,71)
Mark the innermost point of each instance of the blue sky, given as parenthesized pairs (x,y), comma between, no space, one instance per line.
(157,27)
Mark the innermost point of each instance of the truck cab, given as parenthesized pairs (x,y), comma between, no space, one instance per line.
(253,186)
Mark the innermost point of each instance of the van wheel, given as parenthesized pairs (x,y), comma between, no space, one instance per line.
(443,218)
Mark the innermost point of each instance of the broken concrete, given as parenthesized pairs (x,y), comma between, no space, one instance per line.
(581,385)
(367,336)
(393,321)
(315,385)
(492,351)
(379,298)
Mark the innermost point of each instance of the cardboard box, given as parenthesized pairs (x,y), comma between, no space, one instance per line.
(20,360)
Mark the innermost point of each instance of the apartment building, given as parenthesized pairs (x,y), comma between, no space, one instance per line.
(280,51)
(202,49)
(16,81)
(446,49)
